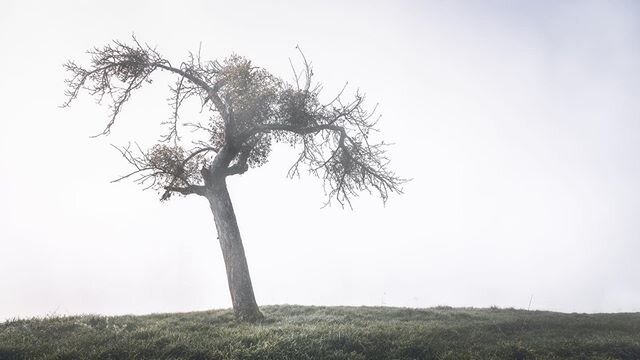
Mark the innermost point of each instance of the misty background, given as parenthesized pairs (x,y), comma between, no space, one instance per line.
(518,122)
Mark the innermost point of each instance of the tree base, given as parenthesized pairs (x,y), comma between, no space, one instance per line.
(250,317)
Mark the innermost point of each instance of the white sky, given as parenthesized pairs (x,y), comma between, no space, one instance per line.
(517,120)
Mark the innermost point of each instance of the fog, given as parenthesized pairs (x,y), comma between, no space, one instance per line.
(517,121)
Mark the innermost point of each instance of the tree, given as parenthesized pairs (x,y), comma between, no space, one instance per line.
(250,110)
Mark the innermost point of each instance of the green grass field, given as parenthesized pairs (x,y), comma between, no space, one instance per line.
(301,332)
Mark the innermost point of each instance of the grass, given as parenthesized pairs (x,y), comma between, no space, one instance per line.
(303,332)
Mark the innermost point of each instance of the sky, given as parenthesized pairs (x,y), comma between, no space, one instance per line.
(517,121)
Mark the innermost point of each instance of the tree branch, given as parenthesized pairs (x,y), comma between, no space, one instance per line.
(188,190)
(286,127)
(212,91)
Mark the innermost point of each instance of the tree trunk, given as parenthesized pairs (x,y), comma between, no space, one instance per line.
(242,298)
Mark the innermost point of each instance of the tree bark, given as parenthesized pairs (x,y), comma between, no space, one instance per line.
(242,297)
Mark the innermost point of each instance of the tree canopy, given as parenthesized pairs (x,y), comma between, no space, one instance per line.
(250,110)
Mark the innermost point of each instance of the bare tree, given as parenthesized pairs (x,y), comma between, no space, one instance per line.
(250,110)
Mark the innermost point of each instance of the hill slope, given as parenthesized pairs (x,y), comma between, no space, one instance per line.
(299,332)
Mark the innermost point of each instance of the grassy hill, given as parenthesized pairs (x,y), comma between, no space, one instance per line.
(301,332)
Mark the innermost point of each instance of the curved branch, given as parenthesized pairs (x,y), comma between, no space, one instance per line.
(198,152)
(300,130)
(118,69)
(353,164)
(212,91)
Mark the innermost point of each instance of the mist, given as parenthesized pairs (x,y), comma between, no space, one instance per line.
(517,123)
